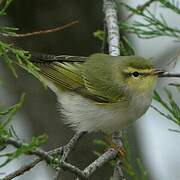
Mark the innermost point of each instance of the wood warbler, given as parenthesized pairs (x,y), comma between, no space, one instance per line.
(99,92)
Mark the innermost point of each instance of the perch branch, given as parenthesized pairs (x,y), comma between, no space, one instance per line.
(48,157)
(67,149)
(118,173)
(168,74)
(104,158)
(43,155)
(111,19)
(112,26)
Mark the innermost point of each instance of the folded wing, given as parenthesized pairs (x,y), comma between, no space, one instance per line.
(90,77)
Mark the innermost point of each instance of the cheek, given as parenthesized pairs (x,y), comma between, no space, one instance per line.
(151,82)
(142,84)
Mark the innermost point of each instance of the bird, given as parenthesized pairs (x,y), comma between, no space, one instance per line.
(99,92)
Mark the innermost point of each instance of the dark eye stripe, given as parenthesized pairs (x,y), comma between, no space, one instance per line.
(136,74)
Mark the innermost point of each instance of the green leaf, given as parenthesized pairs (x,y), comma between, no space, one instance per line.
(12,55)
(24,149)
(171,106)
(151,26)
(99,34)
(12,110)
(171,4)
(100,143)
(4,5)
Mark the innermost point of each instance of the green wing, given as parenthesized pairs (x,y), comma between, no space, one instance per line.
(90,77)
(63,71)
(99,79)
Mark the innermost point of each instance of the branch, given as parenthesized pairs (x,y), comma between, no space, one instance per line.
(151,27)
(174,84)
(22,170)
(48,157)
(111,19)
(174,130)
(118,173)
(29,166)
(67,149)
(161,113)
(52,30)
(38,152)
(104,158)
(88,171)
(167,74)
(112,26)
(43,155)
(141,7)
(73,169)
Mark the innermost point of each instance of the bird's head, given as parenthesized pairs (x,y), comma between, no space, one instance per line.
(138,74)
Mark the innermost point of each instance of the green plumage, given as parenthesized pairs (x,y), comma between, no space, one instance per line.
(95,77)
(99,92)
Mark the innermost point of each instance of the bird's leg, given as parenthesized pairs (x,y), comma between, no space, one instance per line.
(115,141)
(120,149)
(117,144)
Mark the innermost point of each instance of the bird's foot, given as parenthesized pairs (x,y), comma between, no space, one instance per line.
(120,149)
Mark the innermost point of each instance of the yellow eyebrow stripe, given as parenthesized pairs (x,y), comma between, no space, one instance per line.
(143,71)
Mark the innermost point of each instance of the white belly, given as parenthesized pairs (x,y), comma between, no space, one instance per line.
(85,115)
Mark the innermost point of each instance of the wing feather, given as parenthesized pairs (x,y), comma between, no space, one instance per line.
(48,58)
(99,80)
(91,77)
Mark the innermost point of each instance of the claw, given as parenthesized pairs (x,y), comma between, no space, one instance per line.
(121,151)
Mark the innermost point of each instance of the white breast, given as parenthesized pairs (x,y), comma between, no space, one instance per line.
(83,114)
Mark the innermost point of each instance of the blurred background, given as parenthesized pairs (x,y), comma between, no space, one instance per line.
(149,137)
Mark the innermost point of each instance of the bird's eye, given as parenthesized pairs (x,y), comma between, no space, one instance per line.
(135,74)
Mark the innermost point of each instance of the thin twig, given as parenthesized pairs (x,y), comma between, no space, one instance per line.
(117,140)
(174,130)
(58,150)
(118,173)
(73,169)
(43,155)
(168,74)
(157,110)
(29,166)
(67,149)
(22,170)
(39,152)
(141,7)
(174,59)
(174,84)
(104,41)
(104,158)
(52,30)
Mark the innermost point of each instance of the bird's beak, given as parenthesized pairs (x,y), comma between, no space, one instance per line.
(158,72)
